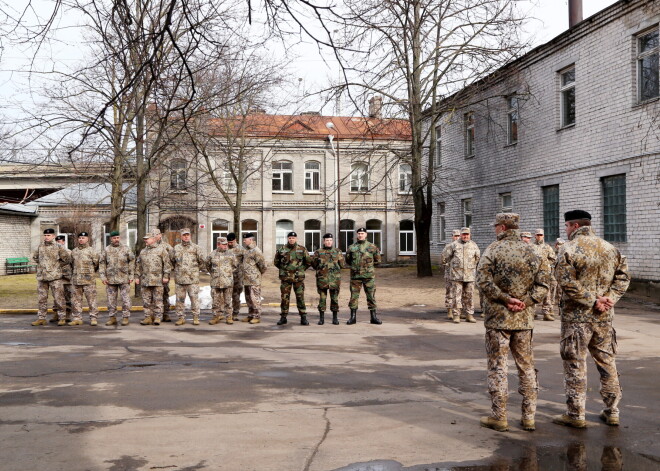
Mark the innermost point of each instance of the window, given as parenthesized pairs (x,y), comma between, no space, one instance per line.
(438,146)
(405,178)
(346,233)
(282,176)
(551,212)
(312,176)
(228,183)
(506,202)
(312,235)
(178,175)
(567,90)
(250,225)
(282,228)
(131,233)
(219,228)
(406,238)
(648,69)
(468,120)
(442,225)
(512,119)
(359,177)
(106,235)
(614,208)
(466,206)
(374,233)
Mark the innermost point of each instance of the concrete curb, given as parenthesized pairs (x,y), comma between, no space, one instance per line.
(13,312)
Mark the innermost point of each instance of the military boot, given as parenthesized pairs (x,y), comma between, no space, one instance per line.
(470,318)
(147,321)
(230,320)
(61,322)
(215,320)
(548,317)
(607,417)
(353,319)
(303,319)
(374,317)
(255,320)
(246,319)
(282,320)
(528,424)
(93,322)
(76,322)
(457,318)
(569,421)
(450,316)
(111,321)
(157,321)
(180,321)
(166,317)
(195,320)
(335,321)
(495,424)
(125,321)
(39,322)
(321,317)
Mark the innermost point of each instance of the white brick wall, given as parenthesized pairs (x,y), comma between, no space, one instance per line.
(14,239)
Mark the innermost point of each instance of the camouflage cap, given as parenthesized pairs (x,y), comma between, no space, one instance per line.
(221,240)
(507,218)
(540,232)
(156,232)
(151,234)
(526,234)
(456,232)
(465,230)
(185,230)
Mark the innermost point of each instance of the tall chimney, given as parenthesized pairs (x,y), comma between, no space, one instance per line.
(375,107)
(574,12)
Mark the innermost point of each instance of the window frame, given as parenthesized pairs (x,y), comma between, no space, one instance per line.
(466,213)
(438,146)
(615,225)
(359,178)
(375,236)
(405,179)
(550,208)
(346,234)
(279,175)
(512,119)
(469,134)
(644,55)
(564,90)
(178,175)
(313,234)
(255,231)
(281,234)
(215,233)
(131,234)
(503,207)
(313,176)
(407,233)
(442,222)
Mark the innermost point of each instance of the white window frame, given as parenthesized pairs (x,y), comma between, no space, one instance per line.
(644,55)
(466,210)
(255,231)
(346,235)
(407,233)
(312,176)
(405,179)
(504,207)
(375,236)
(215,233)
(469,134)
(281,168)
(512,119)
(438,146)
(359,177)
(442,221)
(131,234)
(564,89)
(281,232)
(313,234)
(178,175)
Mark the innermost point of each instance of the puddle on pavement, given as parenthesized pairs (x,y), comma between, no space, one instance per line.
(17,344)
(273,374)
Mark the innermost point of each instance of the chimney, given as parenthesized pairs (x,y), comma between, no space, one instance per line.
(574,12)
(375,107)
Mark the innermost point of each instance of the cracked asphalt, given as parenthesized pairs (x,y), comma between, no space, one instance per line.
(406,395)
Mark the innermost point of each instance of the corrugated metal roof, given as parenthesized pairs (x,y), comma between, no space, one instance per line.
(84,193)
(18,209)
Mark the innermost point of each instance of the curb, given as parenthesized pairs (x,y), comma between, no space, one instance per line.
(13,312)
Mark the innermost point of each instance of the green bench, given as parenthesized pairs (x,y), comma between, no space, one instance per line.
(17,265)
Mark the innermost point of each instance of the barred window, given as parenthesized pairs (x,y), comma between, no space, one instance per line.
(614,208)
(551,212)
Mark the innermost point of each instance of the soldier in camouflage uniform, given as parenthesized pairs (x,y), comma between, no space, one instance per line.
(66,284)
(512,279)
(237,289)
(85,262)
(166,287)
(50,257)
(116,269)
(456,234)
(292,260)
(222,265)
(462,257)
(558,245)
(543,250)
(526,237)
(593,276)
(152,271)
(254,265)
(187,259)
(362,257)
(328,262)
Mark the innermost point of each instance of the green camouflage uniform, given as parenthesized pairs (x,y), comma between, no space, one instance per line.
(362,257)
(509,268)
(50,258)
(166,287)
(152,265)
(85,261)
(328,263)
(546,252)
(462,258)
(117,269)
(254,265)
(292,261)
(222,266)
(187,259)
(238,280)
(588,267)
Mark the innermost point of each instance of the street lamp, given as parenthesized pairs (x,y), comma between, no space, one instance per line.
(330,125)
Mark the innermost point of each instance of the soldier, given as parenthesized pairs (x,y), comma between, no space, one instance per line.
(187,259)
(222,266)
(546,252)
(292,260)
(512,279)
(66,284)
(462,257)
(254,265)
(116,269)
(237,289)
(362,257)
(166,287)
(526,237)
(85,262)
(152,271)
(456,234)
(558,245)
(593,276)
(328,262)
(50,257)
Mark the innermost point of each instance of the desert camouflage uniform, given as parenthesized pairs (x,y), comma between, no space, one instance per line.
(85,261)
(117,269)
(151,267)
(187,259)
(50,258)
(222,265)
(543,250)
(448,291)
(509,269)
(166,287)
(254,265)
(328,263)
(588,267)
(362,257)
(462,258)
(238,281)
(67,272)
(292,261)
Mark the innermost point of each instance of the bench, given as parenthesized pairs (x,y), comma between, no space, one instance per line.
(17,265)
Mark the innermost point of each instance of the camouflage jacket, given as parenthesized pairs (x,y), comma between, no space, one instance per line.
(462,259)
(187,260)
(362,257)
(85,262)
(50,258)
(444,260)
(328,264)
(510,268)
(117,265)
(292,262)
(67,271)
(588,267)
(152,265)
(254,265)
(222,265)
(546,252)
(238,252)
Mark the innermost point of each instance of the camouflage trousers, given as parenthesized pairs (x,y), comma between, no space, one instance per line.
(611,458)
(600,340)
(192,290)
(498,344)
(66,288)
(285,292)
(448,292)
(549,300)
(222,301)
(253,300)
(369,285)
(166,297)
(323,296)
(114,292)
(77,292)
(461,297)
(236,291)
(57,289)
(152,301)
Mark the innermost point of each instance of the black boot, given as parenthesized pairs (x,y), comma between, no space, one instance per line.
(282,320)
(303,319)
(321,317)
(335,321)
(374,318)
(353,318)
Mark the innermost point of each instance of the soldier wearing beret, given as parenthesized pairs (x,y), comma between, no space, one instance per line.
(235,247)
(66,284)
(166,286)
(362,258)
(117,271)
(50,258)
(512,279)
(543,250)
(222,264)
(254,266)
(456,234)
(292,259)
(152,272)
(593,276)
(462,257)
(328,262)
(187,260)
(85,262)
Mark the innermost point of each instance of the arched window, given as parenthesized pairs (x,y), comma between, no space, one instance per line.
(219,228)
(407,237)
(178,175)
(405,178)
(283,176)
(374,233)
(359,177)
(250,225)
(312,176)
(282,228)
(312,235)
(346,233)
